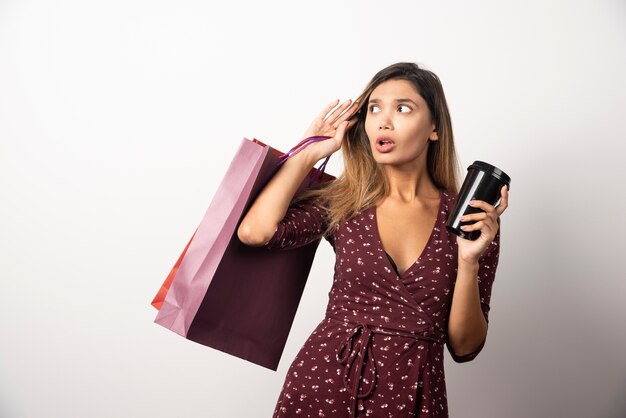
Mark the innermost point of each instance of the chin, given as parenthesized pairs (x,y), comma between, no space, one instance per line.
(386,159)
(380,158)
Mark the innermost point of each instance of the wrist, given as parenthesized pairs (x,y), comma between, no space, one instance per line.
(469,265)
(308,156)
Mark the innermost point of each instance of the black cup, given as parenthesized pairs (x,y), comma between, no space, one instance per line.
(482,182)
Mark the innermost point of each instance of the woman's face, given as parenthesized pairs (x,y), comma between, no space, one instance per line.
(398,124)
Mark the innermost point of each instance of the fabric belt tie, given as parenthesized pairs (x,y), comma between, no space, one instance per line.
(355,354)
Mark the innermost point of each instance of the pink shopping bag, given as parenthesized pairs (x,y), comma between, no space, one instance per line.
(229,296)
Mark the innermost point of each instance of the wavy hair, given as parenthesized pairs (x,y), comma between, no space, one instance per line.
(363,181)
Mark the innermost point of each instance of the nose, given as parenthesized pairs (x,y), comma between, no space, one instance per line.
(384,122)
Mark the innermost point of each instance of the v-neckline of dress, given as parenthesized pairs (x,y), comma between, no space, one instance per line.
(430,237)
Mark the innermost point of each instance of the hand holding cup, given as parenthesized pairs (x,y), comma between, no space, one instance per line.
(475,216)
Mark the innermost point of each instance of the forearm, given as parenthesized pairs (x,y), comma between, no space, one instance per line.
(270,206)
(467,327)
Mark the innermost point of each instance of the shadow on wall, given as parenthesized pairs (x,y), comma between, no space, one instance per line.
(557,305)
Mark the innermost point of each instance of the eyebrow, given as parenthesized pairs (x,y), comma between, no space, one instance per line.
(396,100)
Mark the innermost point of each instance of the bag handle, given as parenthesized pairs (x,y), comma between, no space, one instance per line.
(302,145)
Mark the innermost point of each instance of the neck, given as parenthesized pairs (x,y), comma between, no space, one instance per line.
(409,184)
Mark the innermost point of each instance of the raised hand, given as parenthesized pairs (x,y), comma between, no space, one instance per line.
(334,122)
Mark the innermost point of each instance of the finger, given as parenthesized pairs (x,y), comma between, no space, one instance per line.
(504,201)
(336,113)
(348,124)
(481,204)
(332,117)
(482,226)
(473,217)
(347,114)
(473,227)
(327,109)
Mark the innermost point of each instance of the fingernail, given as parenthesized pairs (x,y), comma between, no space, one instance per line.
(472,203)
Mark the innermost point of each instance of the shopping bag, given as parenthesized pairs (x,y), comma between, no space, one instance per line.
(229,296)
(157,301)
(160,296)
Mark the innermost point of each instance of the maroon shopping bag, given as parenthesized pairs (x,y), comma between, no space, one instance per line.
(226,295)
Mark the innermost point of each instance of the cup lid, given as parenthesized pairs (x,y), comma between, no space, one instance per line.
(494,171)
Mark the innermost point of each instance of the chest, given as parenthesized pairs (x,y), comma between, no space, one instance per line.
(364,275)
(404,233)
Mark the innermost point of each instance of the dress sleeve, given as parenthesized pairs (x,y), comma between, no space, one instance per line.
(304,222)
(488,262)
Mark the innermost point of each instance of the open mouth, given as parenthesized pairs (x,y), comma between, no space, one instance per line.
(384,141)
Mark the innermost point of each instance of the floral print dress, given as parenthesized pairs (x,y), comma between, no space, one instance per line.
(378,352)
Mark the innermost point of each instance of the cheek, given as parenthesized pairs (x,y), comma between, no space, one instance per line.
(417,131)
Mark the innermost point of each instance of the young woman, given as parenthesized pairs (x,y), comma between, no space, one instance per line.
(403,285)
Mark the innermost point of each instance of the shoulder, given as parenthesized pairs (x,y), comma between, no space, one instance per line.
(449,200)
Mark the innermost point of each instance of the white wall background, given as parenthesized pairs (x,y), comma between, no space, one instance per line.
(119,118)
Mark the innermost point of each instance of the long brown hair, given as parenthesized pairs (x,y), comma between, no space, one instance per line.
(363,181)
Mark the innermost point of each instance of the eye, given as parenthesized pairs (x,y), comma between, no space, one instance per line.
(372,107)
(408,109)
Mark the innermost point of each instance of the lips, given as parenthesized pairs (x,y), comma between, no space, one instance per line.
(384,144)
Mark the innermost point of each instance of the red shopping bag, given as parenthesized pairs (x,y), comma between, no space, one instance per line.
(160,296)
(229,296)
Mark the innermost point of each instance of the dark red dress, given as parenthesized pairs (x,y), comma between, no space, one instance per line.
(379,350)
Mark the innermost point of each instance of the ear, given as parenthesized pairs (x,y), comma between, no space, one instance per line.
(433,136)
